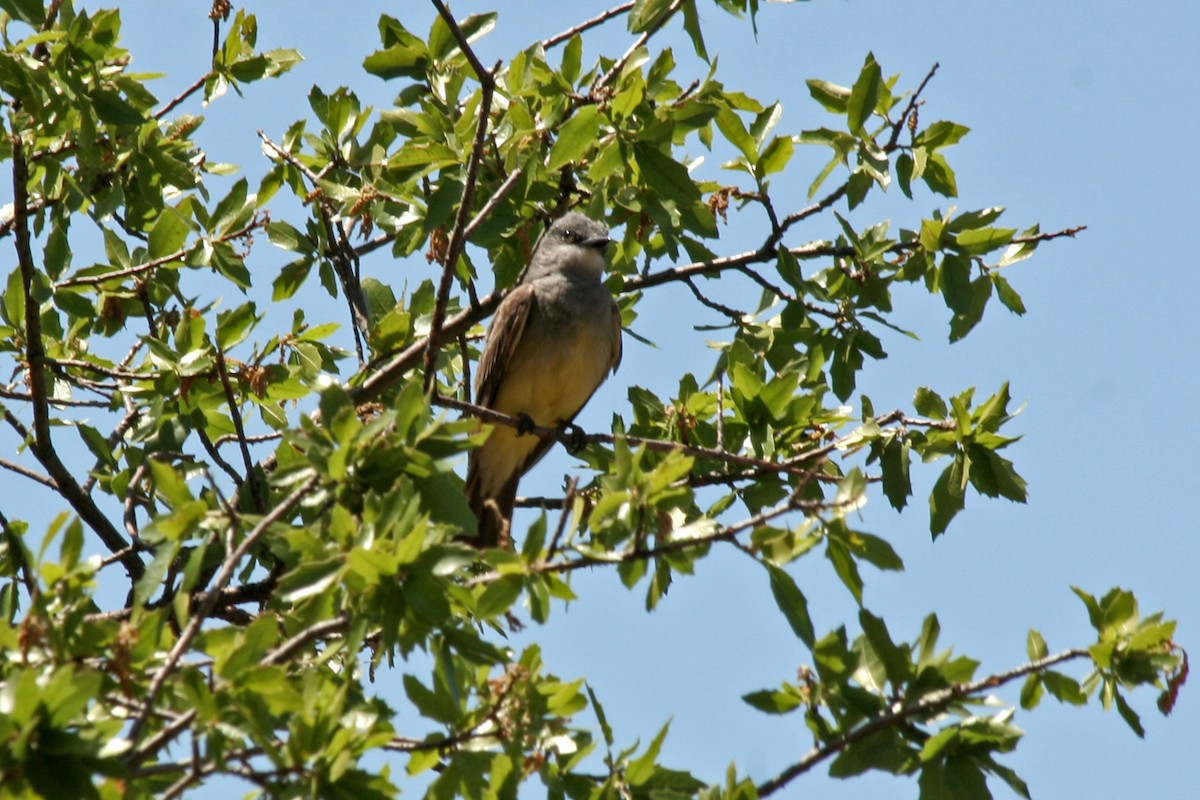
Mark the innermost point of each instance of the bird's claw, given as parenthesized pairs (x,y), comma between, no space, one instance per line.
(525,424)
(576,438)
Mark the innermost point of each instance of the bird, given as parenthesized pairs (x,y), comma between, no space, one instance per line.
(554,339)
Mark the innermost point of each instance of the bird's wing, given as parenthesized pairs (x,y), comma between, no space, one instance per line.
(503,337)
(616,337)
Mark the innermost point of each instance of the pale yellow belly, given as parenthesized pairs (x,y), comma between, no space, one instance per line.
(548,379)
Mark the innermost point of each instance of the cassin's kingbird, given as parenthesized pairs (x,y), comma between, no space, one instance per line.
(553,341)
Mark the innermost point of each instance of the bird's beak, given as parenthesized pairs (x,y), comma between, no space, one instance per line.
(597,242)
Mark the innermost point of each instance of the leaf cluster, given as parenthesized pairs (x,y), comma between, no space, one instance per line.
(275,497)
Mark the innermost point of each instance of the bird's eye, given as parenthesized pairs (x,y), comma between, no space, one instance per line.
(566,235)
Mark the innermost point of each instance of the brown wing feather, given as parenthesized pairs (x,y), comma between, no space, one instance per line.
(503,336)
(616,337)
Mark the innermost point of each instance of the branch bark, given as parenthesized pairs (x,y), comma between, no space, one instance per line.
(926,705)
(35,355)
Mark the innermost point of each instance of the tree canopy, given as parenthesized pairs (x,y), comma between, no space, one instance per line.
(258,569)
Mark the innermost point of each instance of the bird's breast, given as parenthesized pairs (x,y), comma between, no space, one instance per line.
(557,367)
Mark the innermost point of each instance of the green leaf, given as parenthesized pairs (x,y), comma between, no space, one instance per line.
(472,28)
(284,235)
(1035,646)
(940,134)
(1019,251)
(1008,296)
(31,12)
(231,210)
(404,55)
(291,277)
(730,124)
(977,241)
(1011,778)
(773,702)
(896,663)
(845,567)
(947,497)
(168,233)
(605,728)
(776,155)
(645,13)
(995,476)
(668,177)
(691,25)
(499,596)
(864,97)
(642,768)
(897,486)
(792,603)
(939,177)
(1031,692)
(965,321)
(956,283)
(833,97)
(437,705)
(905,167)
(234,325)
(116,110)
(575,138)
(1129,715)
(1063,688)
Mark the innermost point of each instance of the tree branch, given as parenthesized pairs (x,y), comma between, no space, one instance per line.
(604,81)
(35,354)
(454,248)
(602,17)
(210,600)
(927,704)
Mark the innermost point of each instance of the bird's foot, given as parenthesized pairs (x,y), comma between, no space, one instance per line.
(576,438)
(525,424)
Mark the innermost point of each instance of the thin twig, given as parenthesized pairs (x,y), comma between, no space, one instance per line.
(585,25)
(587,559)
(182,96)
(210,600)
(924,706)
(312,633)
(898,127)
(567,501)
(793,466)
(137,269)
(235,413)
(24,471)
(342,256)
(487,208)
(604,81)
(457,242)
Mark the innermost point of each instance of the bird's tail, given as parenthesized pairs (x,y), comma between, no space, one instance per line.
(493,513)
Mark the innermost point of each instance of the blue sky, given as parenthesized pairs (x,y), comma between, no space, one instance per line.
(1081,114)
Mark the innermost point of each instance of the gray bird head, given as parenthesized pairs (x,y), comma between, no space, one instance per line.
(574,243)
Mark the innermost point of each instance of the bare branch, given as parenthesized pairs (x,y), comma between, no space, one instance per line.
(182,96)
(585,25)
(37,477)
